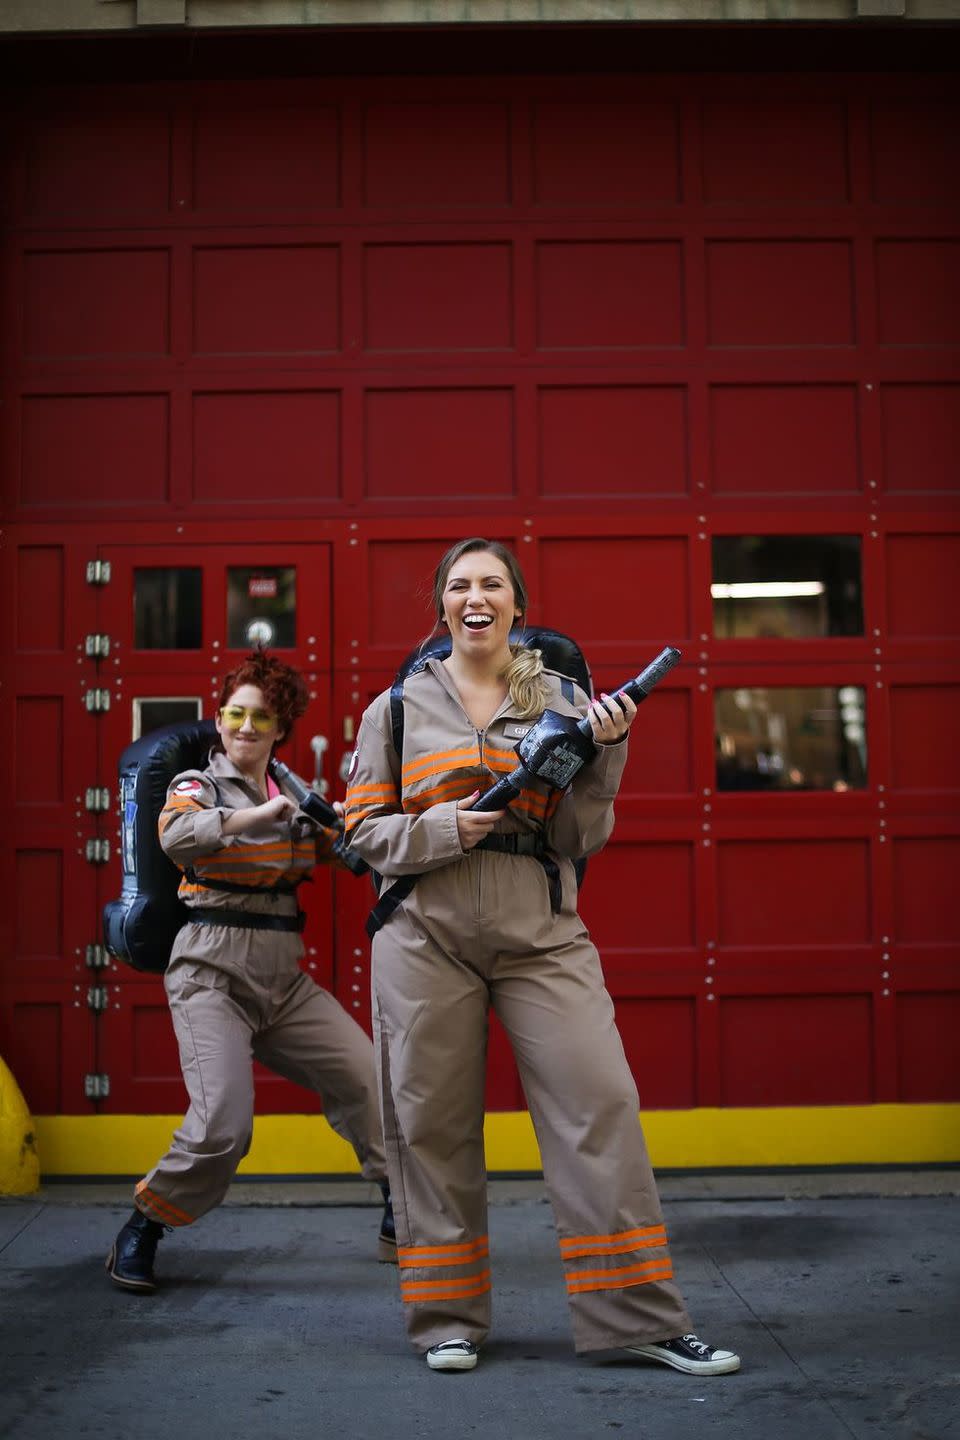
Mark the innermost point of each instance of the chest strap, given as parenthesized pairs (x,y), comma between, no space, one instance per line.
(247,920)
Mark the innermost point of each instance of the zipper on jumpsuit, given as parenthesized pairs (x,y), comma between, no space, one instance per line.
(480,739)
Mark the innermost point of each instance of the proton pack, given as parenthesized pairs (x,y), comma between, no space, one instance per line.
(140,927)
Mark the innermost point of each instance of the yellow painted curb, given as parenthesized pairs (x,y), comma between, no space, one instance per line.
(704,1139)
(19,1161)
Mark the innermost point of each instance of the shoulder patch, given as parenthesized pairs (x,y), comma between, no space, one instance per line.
(189,787)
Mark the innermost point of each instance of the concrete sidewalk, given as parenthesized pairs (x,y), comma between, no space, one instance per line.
(841,1292)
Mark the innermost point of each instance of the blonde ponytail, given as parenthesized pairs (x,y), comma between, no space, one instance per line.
(529,693)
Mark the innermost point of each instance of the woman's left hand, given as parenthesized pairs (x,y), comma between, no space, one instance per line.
(611,718)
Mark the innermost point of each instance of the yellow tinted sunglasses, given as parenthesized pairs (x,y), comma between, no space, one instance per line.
(233,717)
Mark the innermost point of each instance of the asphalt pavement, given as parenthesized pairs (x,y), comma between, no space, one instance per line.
(840,1291)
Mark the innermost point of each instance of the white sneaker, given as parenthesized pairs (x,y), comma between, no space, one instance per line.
(688,1353)
(452,1355)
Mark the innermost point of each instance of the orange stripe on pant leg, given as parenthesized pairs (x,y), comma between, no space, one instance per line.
(619,1279)
(413,1290)
(169,1212)
(424,1263)
(453,1250)
(612,1239)
(665,1274)
(656,1242)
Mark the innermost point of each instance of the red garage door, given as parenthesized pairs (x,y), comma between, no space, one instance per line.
(688,343)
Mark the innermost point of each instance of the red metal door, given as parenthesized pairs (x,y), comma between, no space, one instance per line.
(176,618)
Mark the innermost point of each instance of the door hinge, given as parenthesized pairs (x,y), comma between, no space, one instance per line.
(97,646)
(98,998)
(98,957)
(98,851)
(97,700)
(97,799)
(98,572)
(96,1087)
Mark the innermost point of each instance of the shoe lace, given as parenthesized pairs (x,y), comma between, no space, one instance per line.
(696,1343)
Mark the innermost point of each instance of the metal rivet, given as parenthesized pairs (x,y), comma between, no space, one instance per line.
(354,542)
(706,843)
(711,959)
(707,809)
(882,839)
(885,975)
(711,944)
(705,825)
(886,992)
(709,997)
(708,980)
(702,687)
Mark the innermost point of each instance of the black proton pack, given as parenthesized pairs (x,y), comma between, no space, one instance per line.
(141,926)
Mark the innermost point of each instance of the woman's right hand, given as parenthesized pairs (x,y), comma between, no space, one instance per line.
(260,817)
(473,825)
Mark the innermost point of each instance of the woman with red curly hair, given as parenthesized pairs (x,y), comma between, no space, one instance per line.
(234,983)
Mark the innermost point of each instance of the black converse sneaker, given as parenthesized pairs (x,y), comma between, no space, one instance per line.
(688,1353)
(452,1355)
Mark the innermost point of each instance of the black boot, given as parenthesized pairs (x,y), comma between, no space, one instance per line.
(130,1262)
(387,1239)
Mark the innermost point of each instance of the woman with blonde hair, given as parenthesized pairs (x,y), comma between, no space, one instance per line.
(492,921)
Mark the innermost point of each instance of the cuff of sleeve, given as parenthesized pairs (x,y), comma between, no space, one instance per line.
(603,776)
(208,833)
(448,830)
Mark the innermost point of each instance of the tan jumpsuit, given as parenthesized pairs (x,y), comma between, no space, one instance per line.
(239,995)
(478,930)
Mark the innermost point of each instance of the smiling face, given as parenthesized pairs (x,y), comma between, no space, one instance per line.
(250,741)
(479,605)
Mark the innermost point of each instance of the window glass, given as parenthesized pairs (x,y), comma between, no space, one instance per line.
(167,613)
(791,738)
(262,607)
(150,712)
(786,587)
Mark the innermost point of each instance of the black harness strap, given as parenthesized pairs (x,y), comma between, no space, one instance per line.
(388,902)
(247,920)
(191,875)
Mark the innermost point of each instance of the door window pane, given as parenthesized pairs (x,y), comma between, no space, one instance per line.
(786,587)
(150,712)
(167,613)
(262,607)
(791,738)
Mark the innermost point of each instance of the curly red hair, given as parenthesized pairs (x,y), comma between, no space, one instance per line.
(284,689)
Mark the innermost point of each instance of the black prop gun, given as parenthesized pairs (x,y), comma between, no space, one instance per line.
(319,810)
(558,746)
